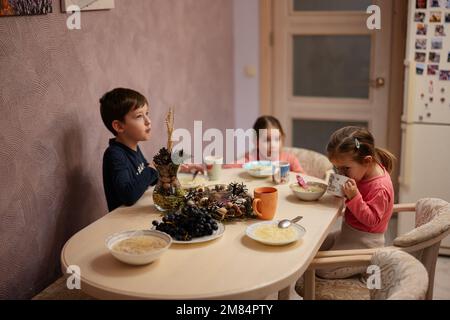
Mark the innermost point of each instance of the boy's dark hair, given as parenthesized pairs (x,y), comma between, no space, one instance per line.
(264,122)
(115,104)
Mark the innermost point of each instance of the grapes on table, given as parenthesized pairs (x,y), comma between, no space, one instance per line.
(191,222)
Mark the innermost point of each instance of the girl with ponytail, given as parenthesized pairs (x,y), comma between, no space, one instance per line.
(369,194)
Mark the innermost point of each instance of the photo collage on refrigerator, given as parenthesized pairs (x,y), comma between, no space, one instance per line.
(432,42)
(432,53)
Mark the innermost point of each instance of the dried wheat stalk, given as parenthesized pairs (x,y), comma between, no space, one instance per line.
(169,124)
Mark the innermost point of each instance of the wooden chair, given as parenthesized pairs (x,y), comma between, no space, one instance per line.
(314,163)
(423,242)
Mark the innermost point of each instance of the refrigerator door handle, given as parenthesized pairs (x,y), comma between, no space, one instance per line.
(404,177)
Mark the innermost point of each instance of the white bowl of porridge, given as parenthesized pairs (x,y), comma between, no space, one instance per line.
(138,247)
(314,191)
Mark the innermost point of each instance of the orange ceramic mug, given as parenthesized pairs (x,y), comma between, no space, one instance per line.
(265,202)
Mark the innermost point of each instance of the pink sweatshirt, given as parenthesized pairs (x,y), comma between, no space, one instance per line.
(284,156)
(371,210)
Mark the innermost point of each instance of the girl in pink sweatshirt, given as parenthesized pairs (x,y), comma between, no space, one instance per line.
(269,147)
(369,194)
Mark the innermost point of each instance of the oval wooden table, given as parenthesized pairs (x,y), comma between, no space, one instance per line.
(231,267)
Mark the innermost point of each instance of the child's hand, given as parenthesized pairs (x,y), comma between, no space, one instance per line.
(350,189)
(192,168)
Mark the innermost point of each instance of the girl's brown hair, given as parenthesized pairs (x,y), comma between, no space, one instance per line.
(359,143)
(265,122)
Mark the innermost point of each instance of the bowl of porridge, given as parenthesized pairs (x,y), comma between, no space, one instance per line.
(314,191)
(138,247)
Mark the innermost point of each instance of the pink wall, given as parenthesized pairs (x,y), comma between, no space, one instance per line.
(52,138)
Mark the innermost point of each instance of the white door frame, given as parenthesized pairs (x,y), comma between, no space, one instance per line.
(286,24)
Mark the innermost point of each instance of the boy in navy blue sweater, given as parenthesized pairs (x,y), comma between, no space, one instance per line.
(126,173)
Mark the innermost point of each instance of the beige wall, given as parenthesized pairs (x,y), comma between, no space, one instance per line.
(52,138)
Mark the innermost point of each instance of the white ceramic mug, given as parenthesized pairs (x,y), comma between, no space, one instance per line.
(335,184)
(280,172)
(214,167)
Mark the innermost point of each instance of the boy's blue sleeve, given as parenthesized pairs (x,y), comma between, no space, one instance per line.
(129,187)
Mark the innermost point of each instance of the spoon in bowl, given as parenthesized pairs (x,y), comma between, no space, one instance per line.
(301,182)
(285,223)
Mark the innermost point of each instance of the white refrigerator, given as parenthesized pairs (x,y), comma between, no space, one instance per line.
(425,159)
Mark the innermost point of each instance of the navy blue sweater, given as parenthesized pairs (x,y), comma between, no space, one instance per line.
(126,175)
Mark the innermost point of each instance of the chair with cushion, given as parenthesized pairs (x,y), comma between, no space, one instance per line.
(423,242)
(314,163)
(402,276)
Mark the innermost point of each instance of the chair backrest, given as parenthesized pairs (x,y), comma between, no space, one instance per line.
(314,163)
(402,276)
(432,225)
(427,209)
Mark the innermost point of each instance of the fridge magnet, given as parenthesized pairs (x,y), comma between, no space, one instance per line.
(435,16)
(444,75)
(419,16)
(431,99)
(25,8)
(431,87)
(447,18)
(439,31)
(448,58)
(436,44)
(420,68)
(443,100)
(420,57)
(434,57)
(421,4)
(421,29)
(433,69)
(435,4)
(421,44)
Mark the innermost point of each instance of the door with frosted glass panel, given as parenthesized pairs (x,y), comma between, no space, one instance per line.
(330,70)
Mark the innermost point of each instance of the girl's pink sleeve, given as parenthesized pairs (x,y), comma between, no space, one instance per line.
(190,168)
(371,211)
(295,164)
(232,166)
(244,159)
(184,168)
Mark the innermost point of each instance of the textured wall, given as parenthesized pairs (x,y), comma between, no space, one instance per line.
(52,138)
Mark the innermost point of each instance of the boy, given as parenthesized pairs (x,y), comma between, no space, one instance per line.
(126,173)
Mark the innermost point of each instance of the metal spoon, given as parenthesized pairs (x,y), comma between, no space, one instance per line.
(285,223)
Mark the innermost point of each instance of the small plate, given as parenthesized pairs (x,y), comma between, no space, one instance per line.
(250,231)
(186,181)
(216,234)
(259,169)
